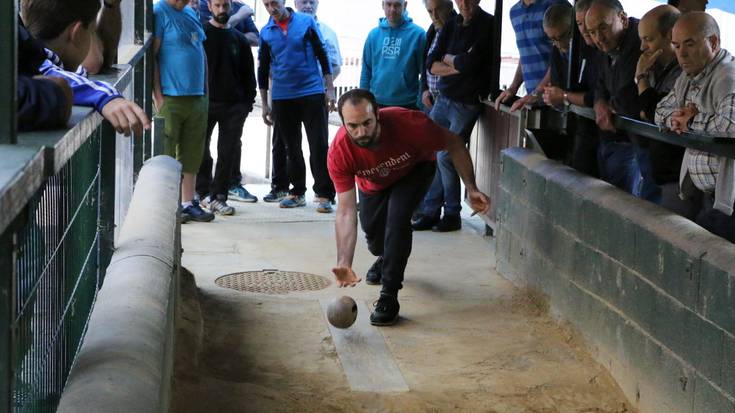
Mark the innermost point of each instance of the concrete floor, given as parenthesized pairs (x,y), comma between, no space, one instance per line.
(467,340)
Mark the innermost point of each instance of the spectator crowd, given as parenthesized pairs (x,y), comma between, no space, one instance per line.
(667,68)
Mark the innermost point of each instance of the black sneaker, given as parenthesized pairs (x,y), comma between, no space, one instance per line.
(448,223)
(386,311)
(275,196)
(425,223)
(196,213)
(375,273)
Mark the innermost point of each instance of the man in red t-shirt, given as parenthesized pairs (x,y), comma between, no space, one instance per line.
(391,156)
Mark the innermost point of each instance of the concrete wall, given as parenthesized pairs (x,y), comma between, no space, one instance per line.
(652,293)
(125,361)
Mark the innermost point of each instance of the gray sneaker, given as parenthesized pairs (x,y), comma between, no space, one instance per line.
(275,196)
(292,201)
(220,207)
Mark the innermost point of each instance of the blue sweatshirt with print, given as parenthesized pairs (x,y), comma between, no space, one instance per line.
(392,62)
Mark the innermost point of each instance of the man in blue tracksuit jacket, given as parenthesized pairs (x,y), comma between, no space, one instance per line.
(292,51)
(393,58)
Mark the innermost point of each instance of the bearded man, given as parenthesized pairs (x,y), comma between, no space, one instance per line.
(231,95)
(390,154)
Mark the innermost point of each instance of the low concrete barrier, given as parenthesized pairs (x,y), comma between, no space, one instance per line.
(125,361)
(652,293)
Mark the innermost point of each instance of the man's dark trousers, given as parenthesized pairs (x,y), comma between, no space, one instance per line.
(231,118)
(716,221)
(288,114)
(385,218)
(279,165)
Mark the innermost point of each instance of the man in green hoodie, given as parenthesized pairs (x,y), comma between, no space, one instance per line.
(393,58)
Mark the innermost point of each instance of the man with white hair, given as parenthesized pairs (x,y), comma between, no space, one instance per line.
(703,102)
(330,37)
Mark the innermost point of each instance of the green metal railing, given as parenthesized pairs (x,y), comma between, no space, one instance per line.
(58,196)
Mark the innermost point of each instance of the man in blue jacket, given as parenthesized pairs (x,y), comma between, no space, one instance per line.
(393,58)
(292,51)
(44,102)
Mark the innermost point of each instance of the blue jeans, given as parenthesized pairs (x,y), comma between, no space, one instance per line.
(617,163)
(459,118)
(646,187)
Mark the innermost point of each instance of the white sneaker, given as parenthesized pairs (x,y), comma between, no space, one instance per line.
(220,207)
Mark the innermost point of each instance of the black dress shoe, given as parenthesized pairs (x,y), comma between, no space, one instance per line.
(425,223)
(375,273)
(386,311)
(448,223)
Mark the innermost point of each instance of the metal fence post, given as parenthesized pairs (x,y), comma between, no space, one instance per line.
(106,217)
(8,57)
(159,135)
(138,141)
(6,317)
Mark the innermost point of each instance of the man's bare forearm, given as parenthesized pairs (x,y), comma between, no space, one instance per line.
(462,162)
(442,69)
(345,229)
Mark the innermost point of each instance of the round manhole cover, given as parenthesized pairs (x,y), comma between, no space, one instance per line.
(272,282)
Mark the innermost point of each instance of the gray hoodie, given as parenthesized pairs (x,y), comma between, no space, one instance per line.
(717,82)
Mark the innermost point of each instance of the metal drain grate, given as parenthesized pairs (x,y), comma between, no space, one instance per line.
(272,282)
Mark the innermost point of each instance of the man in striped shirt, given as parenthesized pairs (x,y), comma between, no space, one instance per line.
(534,47)
(703,102)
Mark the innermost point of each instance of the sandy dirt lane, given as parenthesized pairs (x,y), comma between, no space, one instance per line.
(467,341)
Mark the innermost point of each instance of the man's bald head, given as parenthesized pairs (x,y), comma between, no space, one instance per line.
(606,23)
(696,40)
(699,21)
(654,30)
(663,17)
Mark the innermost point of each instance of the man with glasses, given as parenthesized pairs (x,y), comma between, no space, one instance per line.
(703,102)
(560,30)
(527,17)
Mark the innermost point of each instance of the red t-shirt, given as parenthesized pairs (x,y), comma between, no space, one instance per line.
(283,24)
(407,137)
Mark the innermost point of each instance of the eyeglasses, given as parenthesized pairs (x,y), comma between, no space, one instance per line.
(560,40)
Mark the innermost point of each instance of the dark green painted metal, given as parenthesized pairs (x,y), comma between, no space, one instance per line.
(54,280)
(148,100)
(718,145)
(54,255)
(138,88)
(6,315)
(106,217)
(8,57)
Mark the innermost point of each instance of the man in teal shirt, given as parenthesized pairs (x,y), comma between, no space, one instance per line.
(179,91)
(393,58)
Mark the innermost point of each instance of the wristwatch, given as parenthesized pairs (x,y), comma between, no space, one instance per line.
(567,103)
(640,77)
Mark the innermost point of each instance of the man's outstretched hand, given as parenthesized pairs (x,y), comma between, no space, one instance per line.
(345,276)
